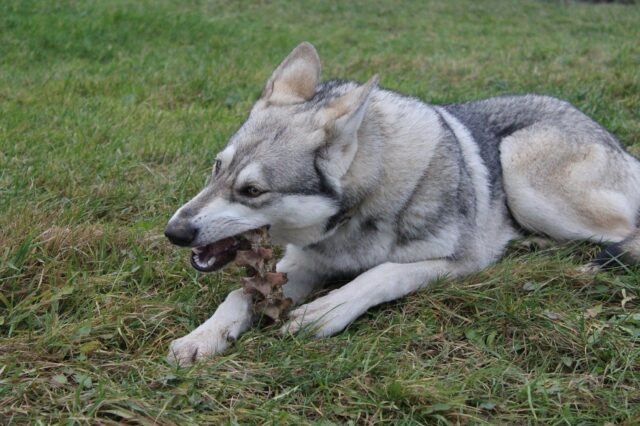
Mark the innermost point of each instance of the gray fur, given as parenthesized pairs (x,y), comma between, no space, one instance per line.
(488,140)
(432,206)
(362,181)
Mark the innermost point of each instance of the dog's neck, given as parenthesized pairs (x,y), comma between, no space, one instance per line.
(366,170)
(389,140)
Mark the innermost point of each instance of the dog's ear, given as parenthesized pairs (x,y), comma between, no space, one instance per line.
(342,119)
(345,114)
(295,79)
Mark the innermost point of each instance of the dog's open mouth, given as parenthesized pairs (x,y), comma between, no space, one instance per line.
(215,255)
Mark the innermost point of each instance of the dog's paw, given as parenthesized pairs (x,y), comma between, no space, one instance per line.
(197,346)
(535,243)
(323,317)
(590,268)
(213,337)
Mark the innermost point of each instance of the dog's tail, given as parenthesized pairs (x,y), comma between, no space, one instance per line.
(626,252)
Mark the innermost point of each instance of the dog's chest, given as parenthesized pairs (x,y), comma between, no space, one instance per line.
(356,246)
(360,244)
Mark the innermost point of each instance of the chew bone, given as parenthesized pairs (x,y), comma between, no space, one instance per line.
(264,284)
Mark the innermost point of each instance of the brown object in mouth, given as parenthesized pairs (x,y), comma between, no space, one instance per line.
(264,284)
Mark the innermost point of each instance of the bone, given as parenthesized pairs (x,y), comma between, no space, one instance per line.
(251,260)
(274,309)
(263,283)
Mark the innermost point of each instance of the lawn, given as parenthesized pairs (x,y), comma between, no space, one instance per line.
(110,115)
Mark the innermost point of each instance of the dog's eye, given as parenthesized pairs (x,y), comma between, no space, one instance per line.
(216,168)
(251,191)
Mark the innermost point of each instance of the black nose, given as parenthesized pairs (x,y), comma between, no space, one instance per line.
(181,233)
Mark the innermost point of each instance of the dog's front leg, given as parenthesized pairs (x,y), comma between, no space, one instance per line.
(333,312)
(235,315)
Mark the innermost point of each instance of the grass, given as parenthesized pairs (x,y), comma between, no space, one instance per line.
(110,115)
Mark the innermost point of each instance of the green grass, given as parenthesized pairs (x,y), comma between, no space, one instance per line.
(110,115)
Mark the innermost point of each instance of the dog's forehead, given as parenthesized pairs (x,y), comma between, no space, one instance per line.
(226,155)
(278,123)
(271,132)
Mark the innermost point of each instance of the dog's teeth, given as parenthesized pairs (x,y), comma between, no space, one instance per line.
(211,261)
(198,250)
(199,261)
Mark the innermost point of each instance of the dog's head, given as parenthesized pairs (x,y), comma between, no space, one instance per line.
(283,167)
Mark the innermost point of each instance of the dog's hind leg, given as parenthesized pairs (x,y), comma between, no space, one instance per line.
(570,186)
(331,313)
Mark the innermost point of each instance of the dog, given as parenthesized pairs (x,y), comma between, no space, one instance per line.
(360,181)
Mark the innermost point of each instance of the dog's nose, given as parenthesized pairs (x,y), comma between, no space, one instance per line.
(180,233)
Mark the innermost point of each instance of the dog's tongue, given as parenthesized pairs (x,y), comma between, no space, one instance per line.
(215,255)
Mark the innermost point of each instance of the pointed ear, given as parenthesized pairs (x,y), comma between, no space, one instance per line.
(342,119)
(344,115)
(296,78)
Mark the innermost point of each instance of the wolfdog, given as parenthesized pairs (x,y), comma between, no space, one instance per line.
(364,182)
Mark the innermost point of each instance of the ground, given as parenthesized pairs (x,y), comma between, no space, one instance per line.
(110,116)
